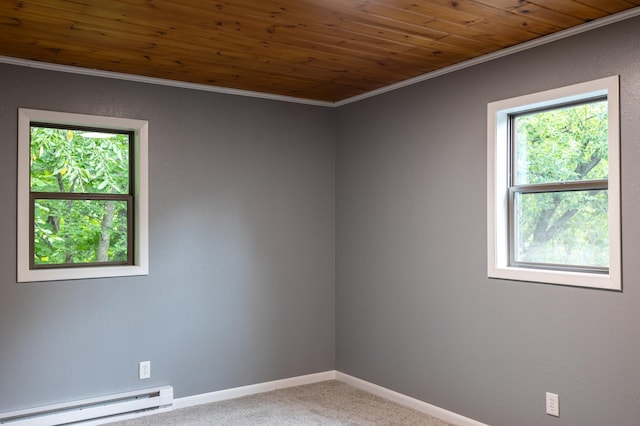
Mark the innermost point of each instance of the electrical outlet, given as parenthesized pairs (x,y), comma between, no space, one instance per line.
(553,405)
(144,370)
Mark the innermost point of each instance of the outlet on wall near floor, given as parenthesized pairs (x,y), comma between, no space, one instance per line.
(144,370)
(553,405)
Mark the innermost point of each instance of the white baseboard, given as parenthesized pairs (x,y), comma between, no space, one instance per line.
(225,394)
(407,401)
(396,397)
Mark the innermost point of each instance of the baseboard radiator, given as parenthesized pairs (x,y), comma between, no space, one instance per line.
(95,410)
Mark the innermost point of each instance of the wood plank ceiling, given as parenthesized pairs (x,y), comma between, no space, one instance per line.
(326,50)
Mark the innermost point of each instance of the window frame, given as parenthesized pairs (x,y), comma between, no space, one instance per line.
(26,271)
(499,263)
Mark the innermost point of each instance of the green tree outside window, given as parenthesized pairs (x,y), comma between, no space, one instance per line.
(556,221)
(80,183)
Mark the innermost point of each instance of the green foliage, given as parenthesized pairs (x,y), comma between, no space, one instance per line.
(562,145)
(563,228)
(71,230)
(64,160)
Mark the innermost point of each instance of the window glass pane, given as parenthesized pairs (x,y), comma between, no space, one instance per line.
(564,228)
(562,144)
(79,231)
(67,160)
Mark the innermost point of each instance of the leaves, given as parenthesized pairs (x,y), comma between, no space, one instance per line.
(561,145)
(65,160)
(71,230)
(556,146)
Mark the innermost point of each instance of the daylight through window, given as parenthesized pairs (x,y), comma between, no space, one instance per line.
(81,200)
(558,189)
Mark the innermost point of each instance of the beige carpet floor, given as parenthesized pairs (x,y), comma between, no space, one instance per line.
(330,403)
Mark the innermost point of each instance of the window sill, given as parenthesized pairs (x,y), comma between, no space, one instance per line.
(78,273)
(547,276)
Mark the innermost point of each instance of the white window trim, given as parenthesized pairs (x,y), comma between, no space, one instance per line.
(497,194)
(141,237)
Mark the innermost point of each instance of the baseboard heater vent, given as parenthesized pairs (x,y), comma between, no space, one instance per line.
(95,410)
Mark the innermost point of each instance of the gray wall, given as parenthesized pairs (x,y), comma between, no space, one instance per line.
(241,283)
(415,311)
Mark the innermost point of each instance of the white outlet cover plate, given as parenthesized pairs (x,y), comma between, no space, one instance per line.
(553,407)
(144,370)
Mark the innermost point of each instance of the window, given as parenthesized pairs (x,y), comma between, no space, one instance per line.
(553,186)
(82,196)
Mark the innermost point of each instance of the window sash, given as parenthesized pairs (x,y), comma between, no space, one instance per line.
(560,187)
(131,151)
(515,189)
(512,172)
(66,196)
(95,196)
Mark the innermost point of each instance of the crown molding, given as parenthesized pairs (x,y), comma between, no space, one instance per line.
(159,81)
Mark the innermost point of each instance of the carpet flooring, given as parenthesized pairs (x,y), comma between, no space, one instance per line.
(329,403)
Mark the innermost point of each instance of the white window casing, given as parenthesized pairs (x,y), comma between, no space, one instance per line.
(141,211)
(497,186)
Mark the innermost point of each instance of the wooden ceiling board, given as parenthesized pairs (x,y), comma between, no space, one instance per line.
(343,44)
(321,50)
(490,13)
(571,8)
(435,11)
(548,16)
(610,6)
